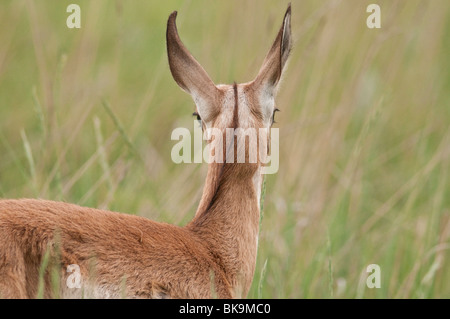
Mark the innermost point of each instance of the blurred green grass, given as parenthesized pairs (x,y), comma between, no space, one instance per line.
(364,129)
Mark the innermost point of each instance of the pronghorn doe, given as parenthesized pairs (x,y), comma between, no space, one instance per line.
(120,255)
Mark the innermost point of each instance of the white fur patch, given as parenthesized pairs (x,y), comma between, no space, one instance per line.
(204,109)
(267,103)
(92,292)
(257,180)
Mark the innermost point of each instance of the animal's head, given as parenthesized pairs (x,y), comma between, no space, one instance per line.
(221,108)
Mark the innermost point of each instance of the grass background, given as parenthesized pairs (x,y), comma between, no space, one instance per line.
(364,129)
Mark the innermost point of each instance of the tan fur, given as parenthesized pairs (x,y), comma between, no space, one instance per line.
(122,255)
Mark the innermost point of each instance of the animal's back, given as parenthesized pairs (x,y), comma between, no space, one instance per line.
(118,254)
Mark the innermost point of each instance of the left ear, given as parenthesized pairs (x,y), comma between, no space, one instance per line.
(189,74)
(270,73)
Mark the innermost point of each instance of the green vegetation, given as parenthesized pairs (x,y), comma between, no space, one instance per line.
(86,117)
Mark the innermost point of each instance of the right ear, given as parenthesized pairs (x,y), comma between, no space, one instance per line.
(270,73)
(188,73)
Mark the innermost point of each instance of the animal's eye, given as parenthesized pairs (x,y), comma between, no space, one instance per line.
(273,115)
(197,115)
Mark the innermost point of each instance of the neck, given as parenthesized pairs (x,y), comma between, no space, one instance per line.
(227,220)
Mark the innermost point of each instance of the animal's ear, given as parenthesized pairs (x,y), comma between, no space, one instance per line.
(186,71)
(270,73)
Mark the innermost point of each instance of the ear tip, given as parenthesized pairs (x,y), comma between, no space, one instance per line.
(288,10)
(173,16)
(171,25)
